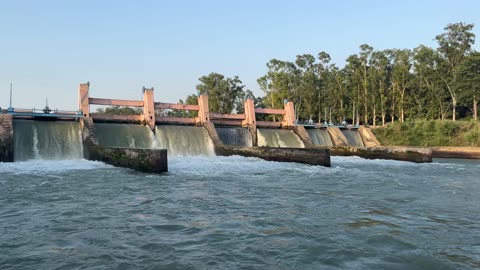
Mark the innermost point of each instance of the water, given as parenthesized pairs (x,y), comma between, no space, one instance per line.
(278,138)
(184,140)
(320,136)
(353,137)
(47,140)
(241,213)
(178,140)
(235,136)
(123,135)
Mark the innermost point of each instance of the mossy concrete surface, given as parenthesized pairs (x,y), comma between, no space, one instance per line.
(6,138)
(312,156)
(456,152)
(413,154)
(144,160)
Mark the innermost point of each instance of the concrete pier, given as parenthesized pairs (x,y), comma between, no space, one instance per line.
(6,138)
(338,139)
(311,156)
(413,154)
(144,160)
(456,152)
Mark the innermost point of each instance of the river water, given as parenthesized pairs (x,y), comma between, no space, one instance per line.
(241,213)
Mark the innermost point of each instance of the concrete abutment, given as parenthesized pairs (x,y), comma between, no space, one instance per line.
(144,160)
(6,138)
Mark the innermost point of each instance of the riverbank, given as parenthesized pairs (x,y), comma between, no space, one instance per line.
(448,139)
(432,133)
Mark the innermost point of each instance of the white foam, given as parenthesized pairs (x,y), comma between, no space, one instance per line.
(49,166)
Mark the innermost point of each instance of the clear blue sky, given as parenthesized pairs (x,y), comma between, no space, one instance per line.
(48,47)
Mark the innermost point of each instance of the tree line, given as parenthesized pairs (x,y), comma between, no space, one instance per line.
(374,87)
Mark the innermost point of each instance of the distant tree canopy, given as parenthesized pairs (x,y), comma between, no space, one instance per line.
(374,86)
(224,94)
(120,110)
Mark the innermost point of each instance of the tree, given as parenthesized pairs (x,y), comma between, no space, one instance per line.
(364,57)
(454,46)
(426,62)
(223,93)
(380,78)
(120,110)
(401,65)
(469,73)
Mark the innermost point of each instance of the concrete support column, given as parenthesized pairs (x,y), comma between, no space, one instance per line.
(83,99)
(250,120)
(6,138)
(289,117)
(368,138)
(338,139)
(203,110)
(149,108)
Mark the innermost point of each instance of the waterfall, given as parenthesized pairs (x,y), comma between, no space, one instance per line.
(278,138)
(178,140)
(47,140)
(320,136)
(184,140)
(123,135)
(236,136)
(353,137)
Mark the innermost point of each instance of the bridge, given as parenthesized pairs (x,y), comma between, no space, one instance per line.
(150,118)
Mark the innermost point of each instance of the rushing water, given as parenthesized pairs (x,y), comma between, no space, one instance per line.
(278,138)
(241,213)
(47,140)
(178,140)
(123,135)
(237,136)
(353,137)
(320,136)
(183,140)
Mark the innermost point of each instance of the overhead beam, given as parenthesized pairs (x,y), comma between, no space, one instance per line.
(270,111)
(160,105)
(116,102)
(227,116)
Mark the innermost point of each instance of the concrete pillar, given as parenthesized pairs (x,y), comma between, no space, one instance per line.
(338,139)
(250,120)
(203,110)
(369,139)
(6,138)
(83,102)
(303,134)
(289,117)
(149,108)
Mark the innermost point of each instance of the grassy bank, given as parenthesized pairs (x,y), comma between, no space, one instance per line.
(430,133)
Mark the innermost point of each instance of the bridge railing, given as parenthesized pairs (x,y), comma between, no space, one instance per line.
(163,119)
(115,102)
(46,112)
(246,119)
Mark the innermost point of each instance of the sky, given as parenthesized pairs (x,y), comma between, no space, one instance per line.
(47,48)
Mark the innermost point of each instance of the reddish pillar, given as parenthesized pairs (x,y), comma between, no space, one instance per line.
(250,120)
(289,117)
(83,99)
(203,110)
(149,108)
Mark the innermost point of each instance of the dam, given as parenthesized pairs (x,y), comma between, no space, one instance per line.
(62,210)
(83,134)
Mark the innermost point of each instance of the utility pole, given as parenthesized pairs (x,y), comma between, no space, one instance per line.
(10,95)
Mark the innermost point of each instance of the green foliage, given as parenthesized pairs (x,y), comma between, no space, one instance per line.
(223,93)
(430,133)
(121,110)
(374,87)
(473,136)
(388,85)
